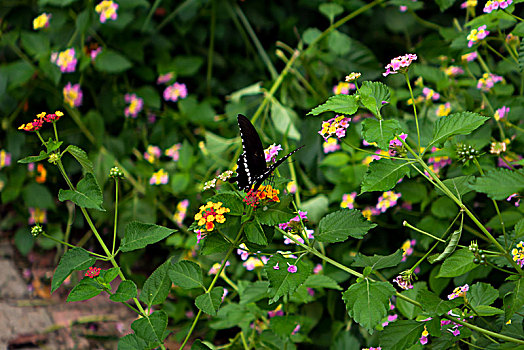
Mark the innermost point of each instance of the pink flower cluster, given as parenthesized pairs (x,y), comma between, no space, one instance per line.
(5,159)
(458,292)
(173,151)
(66,60)
(160,177)
(330,145)
(468,57)
(403,8)
(348,200)
(271,152)
(387,200)
(107,10)
(181,211)
(343,88)
(135,105)
(455,328)
(501,113)
(288,226)
(496,4)
(334,126)
(438,162)
(399,64)
(430,94)
(407,247)
(72,95)
(476,35)
(165,78)
(175,91)
(487,81)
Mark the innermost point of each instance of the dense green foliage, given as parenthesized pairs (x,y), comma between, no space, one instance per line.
(413,170)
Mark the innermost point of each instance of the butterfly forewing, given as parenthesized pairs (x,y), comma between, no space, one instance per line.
(272,168)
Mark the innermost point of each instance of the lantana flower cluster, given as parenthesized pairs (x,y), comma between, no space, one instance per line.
(210,214)
(487,81)
(443,109)
(92,272)
(175,92)
(469,57)
(348,200)
(476,35)
(107,10)
(72,95)
(292,224)
(181,211)
(66,60)
(160,177)
(5,158)
(136,104)
(501,113)
(458,292)
(438,162)
(330,145)
(343,88)
(518,254)
(41,21)
(37,216)
(173,151)
(271,153)
(387,200)
(263,193)
(493,5)
(407,248)
(399,64)
(40,119)
(334,127)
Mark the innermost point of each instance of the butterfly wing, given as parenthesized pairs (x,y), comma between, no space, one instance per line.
(252,162)
(260,179)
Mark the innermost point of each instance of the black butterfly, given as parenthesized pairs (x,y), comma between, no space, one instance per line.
(251,165)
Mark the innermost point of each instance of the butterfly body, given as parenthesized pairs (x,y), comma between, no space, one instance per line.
(251,164)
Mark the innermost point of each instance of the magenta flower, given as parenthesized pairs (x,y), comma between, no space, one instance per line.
(348,200)
(289,225)
(243,252)
(331,145)
(94,53)
(501,113)
(173,151)
(430,94)
(487,81)
(175,91)
(476,35)
(135,105)
(66,60)
(152,153)
(399,64)
(291,268)
(317,269)
(72,95)
(334,127)
(271,153)
(387,200)
(295,331)
(458,292)
(161,177)
(469,56)
(5,159)
(107,10)
(276,267)
(493,5)
(165,78)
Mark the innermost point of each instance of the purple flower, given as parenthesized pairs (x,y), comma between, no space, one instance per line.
(291,268)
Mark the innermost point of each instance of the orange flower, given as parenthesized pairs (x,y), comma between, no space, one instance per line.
(42,174)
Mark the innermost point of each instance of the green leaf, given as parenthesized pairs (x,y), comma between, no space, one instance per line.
(485,310)
(126,290)
(87,194)
(330,10)
(367,302)
(338,226)
(380,131)
(110,274)
(383,175)
(38,196)
(214,243)
(138,235)
(401,335)
(482,294)
(283,119)
(233,315)
(81,156)
(514,301)
(519,228)
(433,305)
(521,56)
(373,94)
(460,262)
(33,159)
(110,61)
(339,43)
(199,345)
(251,292)
(282,282)
(210,302)
(36,44)
(377,262)
(84,290)
(186,274)
(273,215)
(409,310)
(75,259)
(500,183)
(344,104)
(187,65)
(462,123)
(151,328)
(321,281)
(231,201)
(459,185)
(444,4)
(310,35)
(444,207)
(157,286)
(255,234)
(131,342)
(59,3)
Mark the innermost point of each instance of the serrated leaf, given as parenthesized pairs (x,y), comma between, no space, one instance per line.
(500,183)
(460,262)
(482,294)
(380,131)
(52,145)
(377,262)
(151,328)
(33,159)
(255,234)
(401,334)
(81,156)
(138,235)
(231,201)
(383,174)
(282,282)
(157,286)
(519,228)
(459,185)
(433,305)
(131,342)
(374,95)
(486,310)
(344,104)
(321,281)
(73,260)
(84,290)
(521,56)
(338,226)
(186,274)
(514,301)
(110,274)
(251,292)
(214,243)
(273,215)
(87,194)
(210,302)
(367,302)
(462,123)
(409,310)
(126,290)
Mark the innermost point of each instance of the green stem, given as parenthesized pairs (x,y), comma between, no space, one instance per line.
(512,15)
(414,109)
(116,217)
(211,48)
(71,245)
(448,193)
(222,266)
(150,14)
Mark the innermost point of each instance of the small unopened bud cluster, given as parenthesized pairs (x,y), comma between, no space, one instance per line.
(466,153)
(116,173)
(479,258)
(36,230)
(53,158)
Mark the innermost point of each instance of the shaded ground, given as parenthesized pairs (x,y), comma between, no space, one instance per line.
(31,318)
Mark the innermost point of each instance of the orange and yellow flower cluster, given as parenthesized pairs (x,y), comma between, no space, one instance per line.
(210,214)
(38,122)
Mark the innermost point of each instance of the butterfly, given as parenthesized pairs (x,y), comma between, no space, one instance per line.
(251,165)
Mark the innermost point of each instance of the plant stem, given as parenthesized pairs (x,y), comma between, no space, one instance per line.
(222,266)
(116,217)
(414,109)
